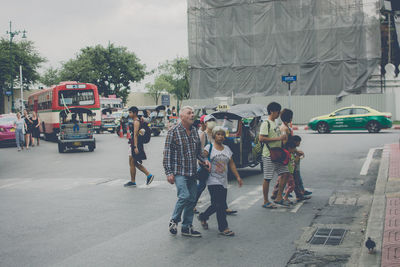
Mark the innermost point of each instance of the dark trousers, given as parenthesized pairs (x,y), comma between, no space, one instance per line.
(200,188)
(218,205)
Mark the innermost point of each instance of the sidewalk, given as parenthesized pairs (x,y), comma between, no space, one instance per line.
(384,219)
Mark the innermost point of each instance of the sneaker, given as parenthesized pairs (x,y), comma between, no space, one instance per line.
(130,184)
(307,193)
(19,149)
(190,232)
(173,227)
(149,179)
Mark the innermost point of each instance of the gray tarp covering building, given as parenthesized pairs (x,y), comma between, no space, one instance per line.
(245,46)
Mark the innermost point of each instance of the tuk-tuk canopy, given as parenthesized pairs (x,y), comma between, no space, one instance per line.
(242,111)
(65,112)
(104,111)
(152,108)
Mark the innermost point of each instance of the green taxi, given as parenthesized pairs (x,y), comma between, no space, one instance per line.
(352,118)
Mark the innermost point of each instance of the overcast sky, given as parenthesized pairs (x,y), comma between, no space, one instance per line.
(156,30)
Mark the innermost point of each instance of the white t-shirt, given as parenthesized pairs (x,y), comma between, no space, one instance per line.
(219,166)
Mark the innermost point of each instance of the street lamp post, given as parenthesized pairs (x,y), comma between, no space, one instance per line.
(12,34)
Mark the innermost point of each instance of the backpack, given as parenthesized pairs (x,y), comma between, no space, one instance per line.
(141,138)
(147,134)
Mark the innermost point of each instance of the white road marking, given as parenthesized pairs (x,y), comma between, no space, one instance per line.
(365,167)
(247,200)
(24,181)
(297,207)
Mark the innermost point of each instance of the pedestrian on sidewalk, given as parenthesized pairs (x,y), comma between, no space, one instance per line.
(217,182)
(270,134)
(137,154)
(28,129)
(181,152)
(35,128)
(20,126)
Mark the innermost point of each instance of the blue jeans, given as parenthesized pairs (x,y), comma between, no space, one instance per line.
(19,137)
(187,190)
(76,127)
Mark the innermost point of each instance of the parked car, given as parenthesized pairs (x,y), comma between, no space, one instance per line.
(7,129)
(352,118)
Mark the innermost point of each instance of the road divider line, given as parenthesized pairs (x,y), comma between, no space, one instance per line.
(367,163)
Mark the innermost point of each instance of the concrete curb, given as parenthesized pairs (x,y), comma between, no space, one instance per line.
(376,218)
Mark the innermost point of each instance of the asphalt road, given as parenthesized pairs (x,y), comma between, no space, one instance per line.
(71,209)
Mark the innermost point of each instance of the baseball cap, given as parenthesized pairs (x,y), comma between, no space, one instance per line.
(208,118)
(202,118)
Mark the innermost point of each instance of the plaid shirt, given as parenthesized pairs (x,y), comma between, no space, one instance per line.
(182,151)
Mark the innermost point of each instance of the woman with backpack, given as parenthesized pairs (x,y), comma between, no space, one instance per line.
(136,151)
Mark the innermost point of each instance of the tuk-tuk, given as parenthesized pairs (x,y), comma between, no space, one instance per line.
(76,129)
(242,123)
(155,117)
(108,120)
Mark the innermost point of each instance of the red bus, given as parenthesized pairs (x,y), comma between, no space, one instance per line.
(49,102)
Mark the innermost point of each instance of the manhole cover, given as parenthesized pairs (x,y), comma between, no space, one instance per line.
(328,236)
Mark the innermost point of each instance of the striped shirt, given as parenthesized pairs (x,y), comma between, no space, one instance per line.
(181,151)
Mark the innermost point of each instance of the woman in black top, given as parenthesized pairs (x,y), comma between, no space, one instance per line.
(28,131)
(35,127)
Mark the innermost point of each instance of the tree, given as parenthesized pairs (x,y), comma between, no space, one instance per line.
(176,72)
(111,69)
(160,85)
(50,77)
(24,54)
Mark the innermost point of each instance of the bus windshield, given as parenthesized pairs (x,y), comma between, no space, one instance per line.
(76,97)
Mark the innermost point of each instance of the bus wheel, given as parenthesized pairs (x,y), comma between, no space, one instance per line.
(61,148)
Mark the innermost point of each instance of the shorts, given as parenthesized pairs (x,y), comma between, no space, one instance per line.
(270,168)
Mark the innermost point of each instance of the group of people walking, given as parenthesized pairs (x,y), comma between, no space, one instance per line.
(27,130)
(187,148)
(194,159)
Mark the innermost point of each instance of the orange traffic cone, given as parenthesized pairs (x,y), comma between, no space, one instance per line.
(121,132)
(128,134)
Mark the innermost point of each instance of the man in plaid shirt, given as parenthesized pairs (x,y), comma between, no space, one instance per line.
(181,152)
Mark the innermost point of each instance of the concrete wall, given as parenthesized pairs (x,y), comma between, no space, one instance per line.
(307,107)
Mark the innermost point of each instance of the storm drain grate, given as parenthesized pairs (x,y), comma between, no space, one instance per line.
(328,236)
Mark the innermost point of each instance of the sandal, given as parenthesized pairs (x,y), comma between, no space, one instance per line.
(230,212)
(282,203)
(288,202)
(227,233)
(204,224)
(269,205)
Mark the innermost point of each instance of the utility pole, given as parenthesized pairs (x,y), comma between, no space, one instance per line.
(12,34)
(22,90)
